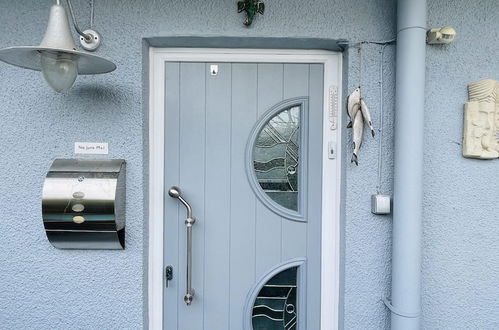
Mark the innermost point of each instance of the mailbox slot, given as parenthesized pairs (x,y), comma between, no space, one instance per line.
(83,204)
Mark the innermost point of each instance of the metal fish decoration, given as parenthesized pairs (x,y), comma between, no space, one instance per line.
(358,130)
(359,116)
(353,105)
(366,115)
(251,7)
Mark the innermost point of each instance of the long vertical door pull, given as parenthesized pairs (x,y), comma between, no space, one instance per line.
(174,192)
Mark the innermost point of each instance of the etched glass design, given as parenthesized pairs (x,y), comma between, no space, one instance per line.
(276,157)
(275,306)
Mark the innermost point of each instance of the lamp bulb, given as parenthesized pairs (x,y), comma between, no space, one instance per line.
(59,70)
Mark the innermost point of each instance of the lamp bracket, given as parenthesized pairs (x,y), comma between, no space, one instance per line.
(89,39)
(93,42)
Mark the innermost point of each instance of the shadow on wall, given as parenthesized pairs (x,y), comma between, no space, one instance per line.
(102,94)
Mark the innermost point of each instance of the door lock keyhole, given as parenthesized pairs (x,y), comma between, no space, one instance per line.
(168,274)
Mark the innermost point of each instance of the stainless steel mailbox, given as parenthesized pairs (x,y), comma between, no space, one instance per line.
(83,204)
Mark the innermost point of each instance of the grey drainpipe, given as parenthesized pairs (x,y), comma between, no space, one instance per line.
(405,302)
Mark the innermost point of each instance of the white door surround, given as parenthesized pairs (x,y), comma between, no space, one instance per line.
(331,176)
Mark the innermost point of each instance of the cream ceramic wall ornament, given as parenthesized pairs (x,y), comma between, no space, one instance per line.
(481,120)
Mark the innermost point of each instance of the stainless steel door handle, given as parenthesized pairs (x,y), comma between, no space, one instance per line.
(174,192)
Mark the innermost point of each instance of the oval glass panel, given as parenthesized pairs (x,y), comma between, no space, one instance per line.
(276,154)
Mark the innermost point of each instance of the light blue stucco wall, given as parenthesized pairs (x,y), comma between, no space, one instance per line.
(461,227)
(45,288)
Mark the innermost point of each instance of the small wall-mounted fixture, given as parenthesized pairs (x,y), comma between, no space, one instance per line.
(83,204)
(381,204)
(57,56)
(251,7)
(481,120)
(443,35)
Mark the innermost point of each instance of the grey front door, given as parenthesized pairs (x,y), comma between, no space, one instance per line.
(244,146)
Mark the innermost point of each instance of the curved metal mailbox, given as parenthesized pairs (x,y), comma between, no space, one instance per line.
(83,204)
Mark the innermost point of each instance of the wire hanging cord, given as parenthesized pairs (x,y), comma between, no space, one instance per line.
(87,36)
(360,72)
(92,14)
(357,44)
(381,101)
(380,129)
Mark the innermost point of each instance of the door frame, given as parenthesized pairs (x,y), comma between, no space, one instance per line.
(331,168)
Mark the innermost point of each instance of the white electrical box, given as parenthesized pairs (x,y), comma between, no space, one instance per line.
(381,204)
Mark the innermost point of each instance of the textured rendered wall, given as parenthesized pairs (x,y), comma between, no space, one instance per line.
(461,228)
(45,288)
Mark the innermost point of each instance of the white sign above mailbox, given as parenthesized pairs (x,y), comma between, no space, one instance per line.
(92,148)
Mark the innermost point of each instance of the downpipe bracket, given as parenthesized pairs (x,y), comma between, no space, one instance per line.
(398,312)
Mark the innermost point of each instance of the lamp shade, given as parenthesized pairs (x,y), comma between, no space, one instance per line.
(57,42)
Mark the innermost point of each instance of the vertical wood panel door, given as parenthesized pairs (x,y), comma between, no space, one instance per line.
(244,147)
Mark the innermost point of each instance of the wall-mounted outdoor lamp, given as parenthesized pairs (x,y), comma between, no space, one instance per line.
(57,56)
(442,35)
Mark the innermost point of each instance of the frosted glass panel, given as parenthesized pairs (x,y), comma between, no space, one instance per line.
(276,157)
(275,306)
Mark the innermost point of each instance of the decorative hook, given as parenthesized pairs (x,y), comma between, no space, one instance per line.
(251,7)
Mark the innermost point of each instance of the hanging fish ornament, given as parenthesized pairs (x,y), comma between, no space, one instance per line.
(366,115)
(353,105)
(251,7)
(359,116)
(358,130)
